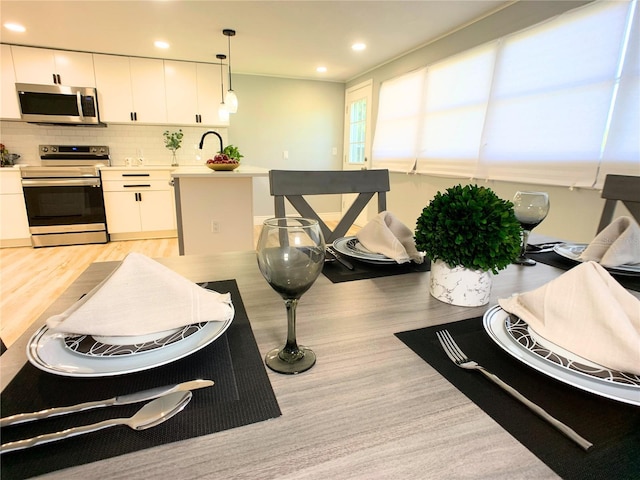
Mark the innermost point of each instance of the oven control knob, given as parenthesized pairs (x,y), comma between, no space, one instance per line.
(54,149)
(45,149)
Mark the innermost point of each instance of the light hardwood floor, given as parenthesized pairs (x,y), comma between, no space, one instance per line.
(32,278)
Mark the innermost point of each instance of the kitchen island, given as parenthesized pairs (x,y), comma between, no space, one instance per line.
(214,209)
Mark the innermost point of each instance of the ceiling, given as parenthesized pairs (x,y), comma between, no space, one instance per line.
(276,38)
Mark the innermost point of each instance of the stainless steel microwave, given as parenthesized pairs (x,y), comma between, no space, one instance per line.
(58,104)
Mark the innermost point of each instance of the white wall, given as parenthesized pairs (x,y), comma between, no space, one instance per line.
(304,118)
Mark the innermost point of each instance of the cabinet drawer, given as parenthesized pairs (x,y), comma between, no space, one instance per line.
(140,176)
(135,185)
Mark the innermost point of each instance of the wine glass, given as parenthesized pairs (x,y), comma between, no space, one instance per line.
(530,208)
(290,254)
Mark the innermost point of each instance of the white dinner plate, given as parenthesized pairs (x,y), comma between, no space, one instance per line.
(48,353)
(572,251)
(351,247)
(495,324)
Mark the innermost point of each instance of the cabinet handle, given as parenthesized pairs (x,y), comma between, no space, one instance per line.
(59,79)
(135,116)
(136,174)
(137,186)
(55,81)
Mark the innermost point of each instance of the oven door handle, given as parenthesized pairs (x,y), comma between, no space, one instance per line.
(61,182)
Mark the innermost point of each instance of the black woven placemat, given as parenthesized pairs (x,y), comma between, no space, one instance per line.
(630,281)
(337,273)
(613,427)
(242,394)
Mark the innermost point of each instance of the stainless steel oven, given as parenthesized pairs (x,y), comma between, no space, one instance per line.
(63,196)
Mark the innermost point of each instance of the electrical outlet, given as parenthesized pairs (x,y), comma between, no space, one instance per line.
(215,226)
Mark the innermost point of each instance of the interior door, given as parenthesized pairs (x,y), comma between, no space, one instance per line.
(357,136)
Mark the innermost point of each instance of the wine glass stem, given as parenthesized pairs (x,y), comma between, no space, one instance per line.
(525,242)
(291,348)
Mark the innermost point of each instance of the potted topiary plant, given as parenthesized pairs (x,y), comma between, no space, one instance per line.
(468,233)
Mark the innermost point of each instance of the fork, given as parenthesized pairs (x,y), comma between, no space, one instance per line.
(461,360)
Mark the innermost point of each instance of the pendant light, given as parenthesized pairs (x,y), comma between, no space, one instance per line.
(231,100)
(223,113)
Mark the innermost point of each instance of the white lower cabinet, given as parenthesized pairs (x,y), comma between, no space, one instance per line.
(14,225)
(139,204)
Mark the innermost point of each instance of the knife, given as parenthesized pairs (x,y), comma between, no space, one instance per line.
(339,258)
(119,400)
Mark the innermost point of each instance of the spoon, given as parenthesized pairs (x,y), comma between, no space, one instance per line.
(152,414)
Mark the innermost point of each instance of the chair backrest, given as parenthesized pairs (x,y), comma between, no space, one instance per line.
(294,184)
(624,188)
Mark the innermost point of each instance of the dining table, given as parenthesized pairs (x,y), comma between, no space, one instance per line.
(382,401)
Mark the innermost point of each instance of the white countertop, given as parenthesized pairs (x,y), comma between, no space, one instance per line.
(203,171)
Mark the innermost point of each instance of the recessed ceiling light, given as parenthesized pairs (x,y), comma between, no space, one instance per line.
(358,46)
(321,69)
(161,44)
(14,27)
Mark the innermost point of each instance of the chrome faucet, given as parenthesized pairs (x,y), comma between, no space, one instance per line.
(209,133)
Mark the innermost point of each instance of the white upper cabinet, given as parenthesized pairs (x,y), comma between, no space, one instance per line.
(182,98)
(9,109)
(113,82)
(209,94)
(147,80)
(49,67)
(130,89)
(193,93)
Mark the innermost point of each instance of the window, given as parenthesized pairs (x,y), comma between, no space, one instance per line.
(557,103)
(357,131)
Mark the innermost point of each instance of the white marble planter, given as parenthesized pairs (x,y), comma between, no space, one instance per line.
(459,286)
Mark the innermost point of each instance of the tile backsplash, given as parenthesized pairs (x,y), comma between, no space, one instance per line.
(124,141)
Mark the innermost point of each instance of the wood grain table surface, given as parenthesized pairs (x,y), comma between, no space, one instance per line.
(369,409)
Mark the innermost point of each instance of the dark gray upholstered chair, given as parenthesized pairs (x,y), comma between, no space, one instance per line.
(623,188)
(295,184)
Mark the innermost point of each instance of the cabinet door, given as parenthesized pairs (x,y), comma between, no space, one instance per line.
(75,68)
(209,94)
(8,98)
(182,98)
(123,212)
(40,65)
(147,79)
(157,211)
(34,65)
(13,215)
(113,82)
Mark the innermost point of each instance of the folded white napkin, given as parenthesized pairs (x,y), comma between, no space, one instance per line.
(387,235)
(141,297)
(585,311)
(617,244)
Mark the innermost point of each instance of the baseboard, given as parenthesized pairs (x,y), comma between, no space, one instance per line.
(15,242)
(117,237)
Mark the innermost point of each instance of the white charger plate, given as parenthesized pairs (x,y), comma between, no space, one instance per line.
(494,322)
(47,352)
(572,251)
(351,247)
